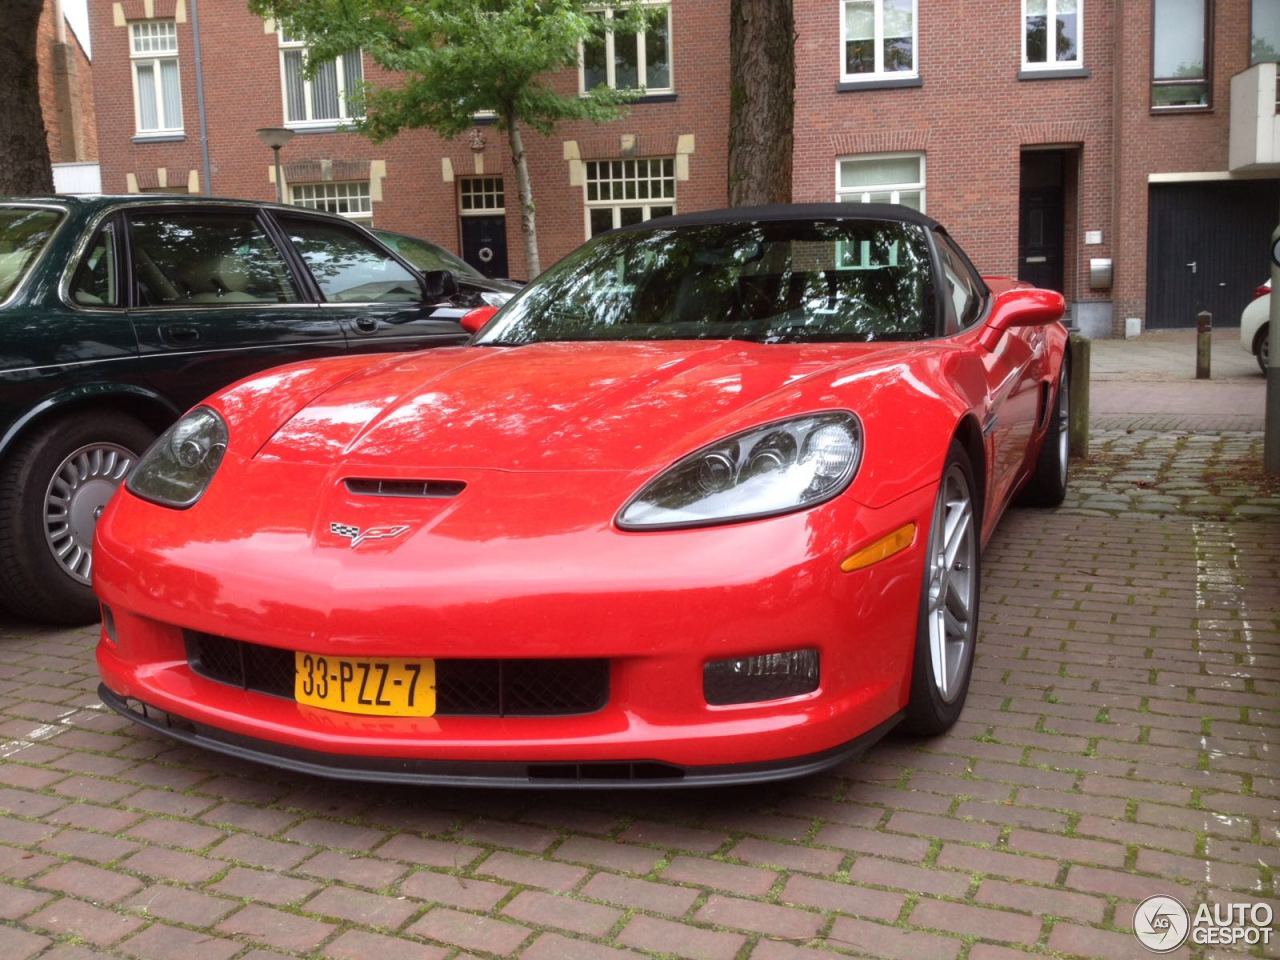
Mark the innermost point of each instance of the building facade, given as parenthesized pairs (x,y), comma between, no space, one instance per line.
(65,79)
(1079,144)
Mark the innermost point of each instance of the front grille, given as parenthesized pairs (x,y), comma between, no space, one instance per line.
(470,688)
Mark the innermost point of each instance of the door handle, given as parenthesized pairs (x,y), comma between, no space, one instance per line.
(179,334)
(1222,283)
(365,325)
(1192,265)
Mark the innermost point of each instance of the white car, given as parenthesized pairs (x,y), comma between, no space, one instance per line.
(1255,330)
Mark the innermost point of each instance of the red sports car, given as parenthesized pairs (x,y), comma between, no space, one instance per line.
(703,504)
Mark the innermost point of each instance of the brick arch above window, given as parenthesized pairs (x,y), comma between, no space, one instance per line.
(123,11)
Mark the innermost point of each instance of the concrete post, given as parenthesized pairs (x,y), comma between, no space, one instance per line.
(1204,343)
(1078,435)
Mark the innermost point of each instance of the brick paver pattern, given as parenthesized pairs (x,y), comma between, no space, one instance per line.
(1119,741)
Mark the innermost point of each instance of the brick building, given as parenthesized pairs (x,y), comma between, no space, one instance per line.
(65,79)
(1053,137)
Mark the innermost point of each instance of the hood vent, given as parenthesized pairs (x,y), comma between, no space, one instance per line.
(419,489)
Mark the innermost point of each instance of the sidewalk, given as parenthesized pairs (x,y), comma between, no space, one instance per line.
(1120,740)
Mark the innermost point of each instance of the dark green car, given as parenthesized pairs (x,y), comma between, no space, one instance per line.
(118,313)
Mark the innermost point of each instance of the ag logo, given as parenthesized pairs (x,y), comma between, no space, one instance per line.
(358,536)
(1161,924)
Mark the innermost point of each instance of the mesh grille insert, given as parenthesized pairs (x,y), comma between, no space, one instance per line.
(476,688)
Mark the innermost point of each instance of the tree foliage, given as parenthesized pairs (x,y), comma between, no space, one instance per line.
(453,59)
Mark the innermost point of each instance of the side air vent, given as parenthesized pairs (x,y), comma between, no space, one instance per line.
(422,489)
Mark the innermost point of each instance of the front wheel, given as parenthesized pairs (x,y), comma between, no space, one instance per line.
(53,487)
(947,629)
(1262,347)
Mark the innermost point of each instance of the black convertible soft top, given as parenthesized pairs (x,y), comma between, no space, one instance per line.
(790,211)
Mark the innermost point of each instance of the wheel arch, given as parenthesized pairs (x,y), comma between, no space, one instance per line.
(969,435)
(141,403)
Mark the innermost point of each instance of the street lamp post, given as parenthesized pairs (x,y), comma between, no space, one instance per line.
(275,138)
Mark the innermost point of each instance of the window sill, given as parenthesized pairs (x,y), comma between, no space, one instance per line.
(1156,111)
(175,137)
(339,126)
(667,97)
(1064,73)
(849,86)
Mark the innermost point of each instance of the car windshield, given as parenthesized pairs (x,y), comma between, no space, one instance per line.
(23,233)
(771,281)
(427,256)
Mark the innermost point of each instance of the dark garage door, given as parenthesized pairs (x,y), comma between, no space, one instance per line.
(1224,230)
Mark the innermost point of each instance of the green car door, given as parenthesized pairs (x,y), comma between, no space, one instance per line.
(214,299)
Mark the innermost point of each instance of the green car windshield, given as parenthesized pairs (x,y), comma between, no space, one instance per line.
(770,281)
(427,256)
(24,231)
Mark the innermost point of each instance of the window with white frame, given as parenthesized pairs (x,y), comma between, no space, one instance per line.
(629,61)
(481,195)
(157,89)
(885,178)
(623,192)
(351,199)
(879,39)
(1051,32)
(332,95)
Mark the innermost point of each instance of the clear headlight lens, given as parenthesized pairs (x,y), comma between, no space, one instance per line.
(177,469)
(772,469)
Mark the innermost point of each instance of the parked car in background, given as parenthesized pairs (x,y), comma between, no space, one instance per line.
(1255,325)
(119,313)
(474,288)
(705,503)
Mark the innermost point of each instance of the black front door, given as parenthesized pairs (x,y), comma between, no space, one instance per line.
(1207,249)
(1040,215)
(484,244)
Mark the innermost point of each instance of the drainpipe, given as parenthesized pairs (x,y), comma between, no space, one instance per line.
(206,181)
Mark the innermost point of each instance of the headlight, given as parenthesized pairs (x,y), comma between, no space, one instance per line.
(776,468)
(178,467)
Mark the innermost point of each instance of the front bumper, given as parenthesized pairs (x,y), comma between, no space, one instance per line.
(493,773)
(656,606)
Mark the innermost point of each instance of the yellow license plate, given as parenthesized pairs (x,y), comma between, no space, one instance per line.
(379,687)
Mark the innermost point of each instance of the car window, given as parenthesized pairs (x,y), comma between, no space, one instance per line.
(772,281)
(23,234)
(962,286)
(208,258)
(348,267)
(96,283)
(427,256)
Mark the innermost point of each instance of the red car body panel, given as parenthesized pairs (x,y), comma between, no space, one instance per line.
(550,441)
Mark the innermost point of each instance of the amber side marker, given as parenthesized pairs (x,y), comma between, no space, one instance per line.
(882,549)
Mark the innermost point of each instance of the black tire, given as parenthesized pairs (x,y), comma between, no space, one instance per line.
(1047,485)
(1261,344)
(34,584)
(930,711)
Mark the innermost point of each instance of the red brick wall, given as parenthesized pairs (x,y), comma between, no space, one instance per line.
(243,93)
(62,146)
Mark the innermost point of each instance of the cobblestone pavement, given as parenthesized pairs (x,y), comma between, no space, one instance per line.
(1119,741)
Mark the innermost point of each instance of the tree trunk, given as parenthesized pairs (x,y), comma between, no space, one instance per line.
(528,215)
(762,57)
(24,151)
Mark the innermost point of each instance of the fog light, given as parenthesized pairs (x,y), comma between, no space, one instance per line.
(769,676)
(109,623)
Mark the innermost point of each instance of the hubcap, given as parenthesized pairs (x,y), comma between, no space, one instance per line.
(952,583)
(74,501)
(1064,427)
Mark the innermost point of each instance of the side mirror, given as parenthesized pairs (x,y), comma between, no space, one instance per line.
(473,320)
(439,285)
(1021,307)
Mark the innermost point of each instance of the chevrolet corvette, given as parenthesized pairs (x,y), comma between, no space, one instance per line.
(705,503)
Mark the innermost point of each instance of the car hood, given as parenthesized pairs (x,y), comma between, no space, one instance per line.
(569,406)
